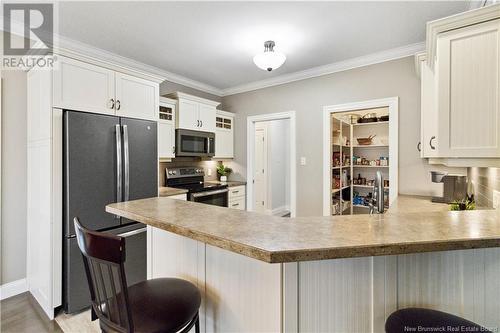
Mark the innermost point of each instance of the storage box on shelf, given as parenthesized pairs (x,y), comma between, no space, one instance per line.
(461,89)
(236,197)
(166,129)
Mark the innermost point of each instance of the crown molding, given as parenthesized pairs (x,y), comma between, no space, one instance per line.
(340,66)
(73,48)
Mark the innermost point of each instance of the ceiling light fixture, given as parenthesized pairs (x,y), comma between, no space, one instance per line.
(269,59)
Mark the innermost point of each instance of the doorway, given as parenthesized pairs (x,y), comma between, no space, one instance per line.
(271,167)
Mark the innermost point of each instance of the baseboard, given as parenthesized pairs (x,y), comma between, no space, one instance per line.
(13,288)
(280,210)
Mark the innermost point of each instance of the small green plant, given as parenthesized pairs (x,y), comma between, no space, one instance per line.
(463,205)
(223,170)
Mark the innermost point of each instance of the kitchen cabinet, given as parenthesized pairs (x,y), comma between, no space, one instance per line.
(82,86)
(468,86)
(237,197)
(166,128)
(460,89)
(224,134)
(194,113)
(428,112)
(136,97)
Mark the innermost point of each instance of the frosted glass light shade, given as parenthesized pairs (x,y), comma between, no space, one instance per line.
(269,60)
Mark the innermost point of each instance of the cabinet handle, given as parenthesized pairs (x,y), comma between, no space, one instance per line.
(173,149)
(118,104)
(201,122)
(197,123)
(419,146)
(430,143)
(112,101)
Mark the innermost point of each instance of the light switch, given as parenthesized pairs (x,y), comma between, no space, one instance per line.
(496,199)
(303,161)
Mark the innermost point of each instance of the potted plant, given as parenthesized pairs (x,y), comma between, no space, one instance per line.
(223,171)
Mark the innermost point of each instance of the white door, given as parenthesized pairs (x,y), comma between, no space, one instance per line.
(260,168)
(83,87)
(166,139)
(468,71)
(207,118)
(187,117)
(428,113)
(136,98)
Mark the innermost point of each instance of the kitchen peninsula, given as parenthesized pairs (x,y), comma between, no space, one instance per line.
(324,274)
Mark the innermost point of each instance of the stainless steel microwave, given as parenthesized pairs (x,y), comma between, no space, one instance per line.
(194,143)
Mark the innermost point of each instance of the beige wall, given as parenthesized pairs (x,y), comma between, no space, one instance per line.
(13,241)
(307,98)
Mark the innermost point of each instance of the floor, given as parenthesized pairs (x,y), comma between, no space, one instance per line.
(21,313)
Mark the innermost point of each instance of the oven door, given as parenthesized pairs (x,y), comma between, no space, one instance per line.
(216,197)
(194,143)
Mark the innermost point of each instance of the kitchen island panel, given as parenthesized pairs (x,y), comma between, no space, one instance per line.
(242,294)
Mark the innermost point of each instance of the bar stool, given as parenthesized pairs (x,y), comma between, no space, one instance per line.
(410,319)
(160,305)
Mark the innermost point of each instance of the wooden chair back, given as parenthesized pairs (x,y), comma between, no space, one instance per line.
(103,258)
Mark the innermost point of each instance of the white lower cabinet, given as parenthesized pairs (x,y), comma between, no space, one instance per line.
(237,197)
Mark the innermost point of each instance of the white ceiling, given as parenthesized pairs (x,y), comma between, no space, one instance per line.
(214,42)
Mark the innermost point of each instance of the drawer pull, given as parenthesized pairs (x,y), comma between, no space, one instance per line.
(236,204)
(236,191)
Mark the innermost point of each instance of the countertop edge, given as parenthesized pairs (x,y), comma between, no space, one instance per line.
(313,254)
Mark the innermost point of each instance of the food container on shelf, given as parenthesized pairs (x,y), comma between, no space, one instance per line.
(368,118)
(366,141)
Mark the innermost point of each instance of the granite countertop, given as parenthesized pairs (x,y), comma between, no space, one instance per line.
(169,191)
(411,225)
(228,183)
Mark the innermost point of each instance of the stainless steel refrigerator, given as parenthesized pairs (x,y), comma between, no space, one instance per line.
(106,159)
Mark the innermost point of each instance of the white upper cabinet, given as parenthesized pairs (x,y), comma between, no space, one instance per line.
(188,115)
(207,118)
(195,113)
(468,84)
(224,135)
(135,97)
(82,86)
(166,128)
(429,145)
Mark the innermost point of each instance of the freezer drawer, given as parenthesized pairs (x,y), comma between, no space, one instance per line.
(76,293)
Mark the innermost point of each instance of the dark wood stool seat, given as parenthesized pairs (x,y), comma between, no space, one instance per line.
(165,305)
(405,320)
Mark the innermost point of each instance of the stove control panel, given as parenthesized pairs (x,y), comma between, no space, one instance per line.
(184,172)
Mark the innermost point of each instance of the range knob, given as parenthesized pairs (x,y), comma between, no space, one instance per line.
(199,171)
(174,172)
(170,172)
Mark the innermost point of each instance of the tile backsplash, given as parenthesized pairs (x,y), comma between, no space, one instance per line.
(485,180)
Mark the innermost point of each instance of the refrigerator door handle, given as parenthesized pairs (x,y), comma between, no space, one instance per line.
(118,134)
(126,161)
(132,233)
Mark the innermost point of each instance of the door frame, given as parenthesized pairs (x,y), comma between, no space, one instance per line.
(393,104)
(251,120)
